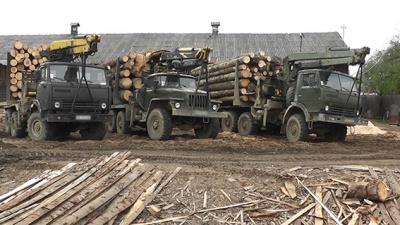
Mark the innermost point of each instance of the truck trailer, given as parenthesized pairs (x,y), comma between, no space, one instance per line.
(312,93)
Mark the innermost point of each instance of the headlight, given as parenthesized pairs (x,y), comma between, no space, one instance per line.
(215,107)
(326,108)
(57,105)
(103,105)
(177,105)
(358,112)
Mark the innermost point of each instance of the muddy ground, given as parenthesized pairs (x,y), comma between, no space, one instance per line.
(232,163)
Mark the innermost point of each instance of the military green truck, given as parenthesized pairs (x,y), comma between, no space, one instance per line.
(318,97)
(61,95)
(168,98)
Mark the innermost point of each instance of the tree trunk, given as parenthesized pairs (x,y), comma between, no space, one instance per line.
(124,73)
(125,83)
(18,45)
(226,77)
(228,85)
(125,94)
(243,98)
(373,190)
(136,83)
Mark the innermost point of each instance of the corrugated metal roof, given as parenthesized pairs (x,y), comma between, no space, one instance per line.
(225,45)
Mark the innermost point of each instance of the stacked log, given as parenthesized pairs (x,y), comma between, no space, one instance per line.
(23,58)
(132,67)
(250,68)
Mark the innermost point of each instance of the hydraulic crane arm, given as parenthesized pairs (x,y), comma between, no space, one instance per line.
(185,59)
(334,57)
(68,50)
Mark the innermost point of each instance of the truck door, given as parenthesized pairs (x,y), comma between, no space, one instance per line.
(308,91)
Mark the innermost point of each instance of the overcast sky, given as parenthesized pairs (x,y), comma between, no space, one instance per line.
(367,23)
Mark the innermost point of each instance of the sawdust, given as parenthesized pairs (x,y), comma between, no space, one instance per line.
(369,129)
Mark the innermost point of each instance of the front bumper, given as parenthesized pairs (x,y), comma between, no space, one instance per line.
(80,118)
(199,113)
(346,120)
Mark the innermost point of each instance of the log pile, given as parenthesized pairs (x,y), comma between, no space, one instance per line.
(132,67)
(23,58)
(251,67)
(106,190)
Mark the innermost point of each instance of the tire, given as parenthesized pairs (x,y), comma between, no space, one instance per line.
(230,124)
(17,130)
(96,131)
(297,129)
(337,133)
(8,121)
(246,124)
(209,130)
(39,129)
(289,96)
(111,124)
(159,126)
(121,125)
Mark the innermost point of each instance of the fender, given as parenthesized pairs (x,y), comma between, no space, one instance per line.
(296,106)
(154,101)
(36,105)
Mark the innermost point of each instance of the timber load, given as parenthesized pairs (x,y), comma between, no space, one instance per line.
(22,59)
(132,67)
(248,68)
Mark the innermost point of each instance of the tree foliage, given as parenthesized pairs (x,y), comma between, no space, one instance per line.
(383,71)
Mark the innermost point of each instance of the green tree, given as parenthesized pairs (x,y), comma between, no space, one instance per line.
(383,71)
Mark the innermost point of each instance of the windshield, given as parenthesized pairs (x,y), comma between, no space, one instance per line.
(176,81)
(337,81)
(72,73)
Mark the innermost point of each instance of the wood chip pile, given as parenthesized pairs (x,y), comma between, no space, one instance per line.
(111,190)
(251,67)
(371,197)
(23,58)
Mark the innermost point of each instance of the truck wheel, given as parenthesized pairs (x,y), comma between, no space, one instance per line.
(246,124)
(39,129)
(337,133)
(96,131)
(8,121)
(122,126)
(111,124)
(230,123)
(289,96)
(159,126)
(17,130)
(296,128)
(209,130)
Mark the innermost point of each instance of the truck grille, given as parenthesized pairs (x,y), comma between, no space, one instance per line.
(81,105)
(201,101)
(342,111)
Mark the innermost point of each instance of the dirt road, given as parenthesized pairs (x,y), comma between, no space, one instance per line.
(231,162)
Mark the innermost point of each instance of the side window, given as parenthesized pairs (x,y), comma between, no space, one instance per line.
(43,74)
(309,80)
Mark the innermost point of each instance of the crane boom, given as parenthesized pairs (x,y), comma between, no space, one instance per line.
(69,50)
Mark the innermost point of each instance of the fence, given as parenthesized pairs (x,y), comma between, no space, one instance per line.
(376,106)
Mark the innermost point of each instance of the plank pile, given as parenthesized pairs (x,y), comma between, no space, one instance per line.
(111,190)
(251,67)
(132,67)
(23,58)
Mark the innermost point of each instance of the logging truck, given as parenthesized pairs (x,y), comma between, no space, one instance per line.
(61,95)
(168,97)
(306,93)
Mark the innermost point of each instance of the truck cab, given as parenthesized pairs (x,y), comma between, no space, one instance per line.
(329,101)
(55,95)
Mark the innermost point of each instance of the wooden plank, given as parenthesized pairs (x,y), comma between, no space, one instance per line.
(318,208)
(300,213)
